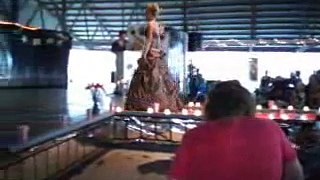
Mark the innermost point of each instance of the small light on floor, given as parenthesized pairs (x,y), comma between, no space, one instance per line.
(167,112)
(119,109)
(303,117)
(150,110)
(258,107)
(290,108)
(198,105)
(284,116)
(197,112)
(184,112)
(271,116)
(191,104)
(274,107)
(306,108)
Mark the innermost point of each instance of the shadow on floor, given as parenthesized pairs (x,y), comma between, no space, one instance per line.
(160,167)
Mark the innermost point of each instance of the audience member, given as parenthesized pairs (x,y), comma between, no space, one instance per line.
(233,145)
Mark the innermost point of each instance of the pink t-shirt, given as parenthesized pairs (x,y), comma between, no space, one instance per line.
(241,148)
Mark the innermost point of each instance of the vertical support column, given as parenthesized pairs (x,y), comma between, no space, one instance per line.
(253,21)
(122,14)
(185,24)
(119,72)
(14,10)
(63,15)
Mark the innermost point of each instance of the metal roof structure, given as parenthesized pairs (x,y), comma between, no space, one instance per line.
(289,25)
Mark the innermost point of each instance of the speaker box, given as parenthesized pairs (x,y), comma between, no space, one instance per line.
(195,41)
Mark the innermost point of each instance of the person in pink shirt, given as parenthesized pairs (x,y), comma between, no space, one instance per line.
(233,145)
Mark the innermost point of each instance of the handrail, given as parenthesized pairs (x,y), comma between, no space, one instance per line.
(52,136)
(101,118)
(157,115)
(96,121)
(54,143)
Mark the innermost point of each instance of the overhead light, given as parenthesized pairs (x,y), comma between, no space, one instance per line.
(282,42)
(261,41)
(301,42)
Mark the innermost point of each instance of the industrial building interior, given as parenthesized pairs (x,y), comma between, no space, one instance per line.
(63,103)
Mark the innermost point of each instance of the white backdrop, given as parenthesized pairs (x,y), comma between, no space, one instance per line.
(96,66)
(90,67)
(235,65)
(86,67)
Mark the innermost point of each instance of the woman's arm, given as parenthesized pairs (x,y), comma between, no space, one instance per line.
(149,37)
(293,170)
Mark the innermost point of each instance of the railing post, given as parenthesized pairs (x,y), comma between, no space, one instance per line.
(68,152)
(155,130)
(170,131)
(113,129)
(6,174)
(58,158)
(35,167)
(21,171)
(126,130)
(89,114)
(141,134)
(47,163)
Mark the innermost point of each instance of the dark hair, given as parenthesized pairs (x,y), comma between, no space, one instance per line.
(122,32)
(228,99)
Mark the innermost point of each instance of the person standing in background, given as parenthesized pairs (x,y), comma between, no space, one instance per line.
(118,47)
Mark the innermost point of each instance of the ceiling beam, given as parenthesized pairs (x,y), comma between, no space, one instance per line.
(163,3)
(58,16)
(103,27)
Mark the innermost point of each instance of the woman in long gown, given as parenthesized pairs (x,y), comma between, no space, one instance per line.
(151,82)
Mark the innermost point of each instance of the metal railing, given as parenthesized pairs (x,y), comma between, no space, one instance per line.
(151,128)
(66,152)
(53,157)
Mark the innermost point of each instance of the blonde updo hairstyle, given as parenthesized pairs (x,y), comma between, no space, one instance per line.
(153,8)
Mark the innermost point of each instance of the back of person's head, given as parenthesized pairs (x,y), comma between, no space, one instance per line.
(229,99)
(153,8)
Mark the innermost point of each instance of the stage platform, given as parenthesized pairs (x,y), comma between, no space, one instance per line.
(46,112)
(53,114)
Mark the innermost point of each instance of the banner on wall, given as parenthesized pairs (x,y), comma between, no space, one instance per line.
(253,73)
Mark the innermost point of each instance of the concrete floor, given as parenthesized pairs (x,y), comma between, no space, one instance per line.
(128,164)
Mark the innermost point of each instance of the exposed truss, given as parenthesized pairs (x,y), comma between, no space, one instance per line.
(96,23)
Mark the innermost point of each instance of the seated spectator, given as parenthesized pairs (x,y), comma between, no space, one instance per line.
(233,144)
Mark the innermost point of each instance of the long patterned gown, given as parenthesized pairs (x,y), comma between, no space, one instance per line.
(152,83)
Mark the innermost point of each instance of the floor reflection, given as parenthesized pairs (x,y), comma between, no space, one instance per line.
(44,111)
